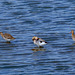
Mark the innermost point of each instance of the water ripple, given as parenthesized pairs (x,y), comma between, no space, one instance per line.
(51,20)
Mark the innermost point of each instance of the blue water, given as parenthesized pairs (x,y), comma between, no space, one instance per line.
(51,20)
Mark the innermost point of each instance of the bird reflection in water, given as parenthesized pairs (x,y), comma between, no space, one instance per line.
(73,44)
(8,42)
(38,49)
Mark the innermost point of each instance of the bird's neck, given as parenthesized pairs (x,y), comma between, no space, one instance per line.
(72,34)
(2,34)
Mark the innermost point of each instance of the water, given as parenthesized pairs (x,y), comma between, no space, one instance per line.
(51,20)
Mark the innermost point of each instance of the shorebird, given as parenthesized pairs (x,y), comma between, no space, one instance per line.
(73,35)
(7,36)
(38,41)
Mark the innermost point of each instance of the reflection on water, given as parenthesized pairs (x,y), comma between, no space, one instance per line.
(38,49)
(51,20)
(7,45)
(73,44)
(8,42)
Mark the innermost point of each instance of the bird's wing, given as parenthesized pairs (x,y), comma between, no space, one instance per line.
(41,40)
(8,36)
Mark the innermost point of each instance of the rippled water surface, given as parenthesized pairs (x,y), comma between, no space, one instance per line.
(51,20)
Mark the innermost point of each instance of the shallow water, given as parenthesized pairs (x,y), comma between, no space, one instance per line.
(51,20)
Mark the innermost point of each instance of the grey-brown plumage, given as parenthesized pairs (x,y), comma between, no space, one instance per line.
(7,36)
(73,35)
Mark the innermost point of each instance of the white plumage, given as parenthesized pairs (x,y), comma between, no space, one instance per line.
(38,41)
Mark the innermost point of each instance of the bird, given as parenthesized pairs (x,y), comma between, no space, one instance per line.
(73,35)
(7,36)
(38,41)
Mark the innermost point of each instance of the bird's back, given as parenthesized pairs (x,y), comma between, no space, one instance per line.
(8,36)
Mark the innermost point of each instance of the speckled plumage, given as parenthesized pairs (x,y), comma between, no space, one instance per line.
(7,36)
(73,35)
(38,41)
